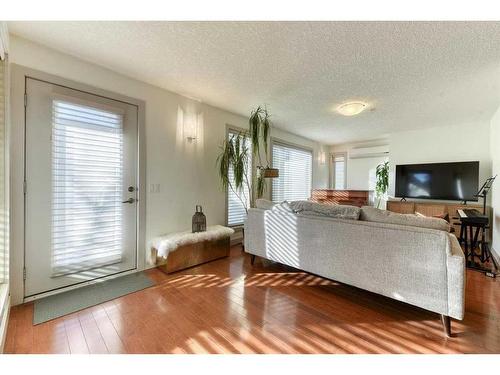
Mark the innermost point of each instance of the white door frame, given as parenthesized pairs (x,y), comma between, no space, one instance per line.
(17,163)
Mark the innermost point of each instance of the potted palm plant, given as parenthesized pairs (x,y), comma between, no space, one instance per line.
(235,156)
(382,184)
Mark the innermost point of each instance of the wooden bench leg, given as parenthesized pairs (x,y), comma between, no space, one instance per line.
(252,259)
(446,324)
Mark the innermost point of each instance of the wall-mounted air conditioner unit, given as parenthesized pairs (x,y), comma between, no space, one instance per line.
(369,152)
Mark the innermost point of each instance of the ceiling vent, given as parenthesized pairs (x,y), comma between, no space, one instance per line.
(369,152)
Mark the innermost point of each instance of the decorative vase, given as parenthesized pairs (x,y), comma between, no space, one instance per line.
(199,220)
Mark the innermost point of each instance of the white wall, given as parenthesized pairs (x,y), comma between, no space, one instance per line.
(469,142)
(185,171)
(361,172)
(495,201)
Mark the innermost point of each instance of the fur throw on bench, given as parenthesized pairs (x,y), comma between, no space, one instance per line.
(161,246)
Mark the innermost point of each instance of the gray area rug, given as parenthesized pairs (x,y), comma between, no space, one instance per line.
(52,307)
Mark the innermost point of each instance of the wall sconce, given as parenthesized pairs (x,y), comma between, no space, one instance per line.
(322,157)
(190,126)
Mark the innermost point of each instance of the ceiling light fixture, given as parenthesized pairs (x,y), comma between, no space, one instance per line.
(351,108)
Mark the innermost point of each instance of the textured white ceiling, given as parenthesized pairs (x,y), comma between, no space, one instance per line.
(416,74)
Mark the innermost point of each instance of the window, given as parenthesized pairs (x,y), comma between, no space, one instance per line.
(3,207)
(339,171)
(87,169)
(236,212)
(295,166)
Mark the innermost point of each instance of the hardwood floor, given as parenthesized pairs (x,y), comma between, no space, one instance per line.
(228,306)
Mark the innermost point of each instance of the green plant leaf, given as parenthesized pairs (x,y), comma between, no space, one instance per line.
(382,179)
(254,129)
(223,163)
(266,127)
(238,166)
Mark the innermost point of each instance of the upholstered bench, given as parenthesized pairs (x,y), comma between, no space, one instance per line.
(177,251)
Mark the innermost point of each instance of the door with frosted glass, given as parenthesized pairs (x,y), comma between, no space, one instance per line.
(81,182)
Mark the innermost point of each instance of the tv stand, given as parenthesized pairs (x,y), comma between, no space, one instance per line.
(433,209)
(464,203)
(403,199)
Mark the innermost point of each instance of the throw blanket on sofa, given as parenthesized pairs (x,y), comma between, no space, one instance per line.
(309,208)
(161,246)
(318,209)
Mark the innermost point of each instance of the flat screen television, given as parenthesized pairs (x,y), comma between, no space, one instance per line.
(446,181)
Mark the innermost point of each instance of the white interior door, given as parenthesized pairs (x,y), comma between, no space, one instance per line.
(81,187)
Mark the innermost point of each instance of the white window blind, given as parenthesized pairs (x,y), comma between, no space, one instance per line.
(295,173)
(236,213)
(339,171)
(3,211)
(87,174)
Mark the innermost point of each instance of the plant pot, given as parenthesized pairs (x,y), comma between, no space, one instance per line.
(269,172)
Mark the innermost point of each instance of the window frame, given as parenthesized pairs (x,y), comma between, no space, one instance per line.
(229,129)
(59,165)
(4,247)
(5,170)
(281,142)
(332,168)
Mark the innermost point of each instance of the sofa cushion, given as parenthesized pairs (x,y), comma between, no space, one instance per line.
(317,209)
(369,213)
(264,204)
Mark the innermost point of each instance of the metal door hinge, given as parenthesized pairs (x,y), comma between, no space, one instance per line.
(25,99)
(24,273)
(25,187)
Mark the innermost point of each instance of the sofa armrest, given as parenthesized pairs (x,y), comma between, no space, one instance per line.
(455,262)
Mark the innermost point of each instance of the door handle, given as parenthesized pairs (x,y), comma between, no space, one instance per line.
(130,200)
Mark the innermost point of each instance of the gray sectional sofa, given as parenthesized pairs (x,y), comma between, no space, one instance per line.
(411,259)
